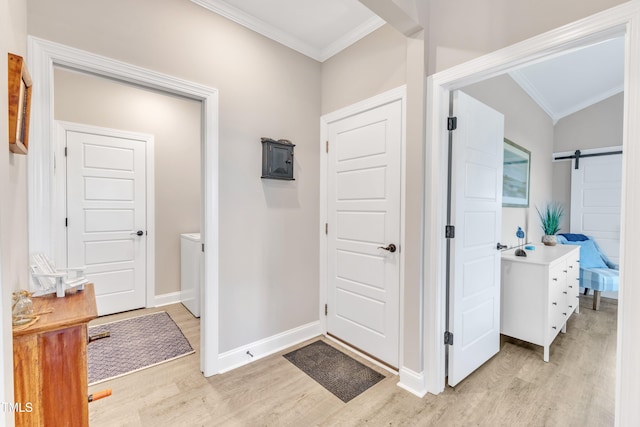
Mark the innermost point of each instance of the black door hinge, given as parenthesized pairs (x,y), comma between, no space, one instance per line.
(326,309)
(449,231)
(65,151)
(452,123)
(66,222)
(448,338)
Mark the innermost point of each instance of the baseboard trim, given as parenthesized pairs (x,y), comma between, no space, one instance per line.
(166,299)
(240,356)
(413,382)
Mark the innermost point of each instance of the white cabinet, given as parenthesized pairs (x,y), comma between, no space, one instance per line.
(539,293)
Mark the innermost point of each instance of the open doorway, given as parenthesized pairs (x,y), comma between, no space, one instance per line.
(43,56)
(589,31)
(119,120)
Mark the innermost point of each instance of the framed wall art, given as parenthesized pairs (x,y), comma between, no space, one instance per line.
(515,175)
(19,104)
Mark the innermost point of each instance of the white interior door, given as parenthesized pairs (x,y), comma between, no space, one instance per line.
(596,188)
(474,311)
(106,212)
(363,192)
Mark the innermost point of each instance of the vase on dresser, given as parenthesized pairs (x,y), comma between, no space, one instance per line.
(549,240)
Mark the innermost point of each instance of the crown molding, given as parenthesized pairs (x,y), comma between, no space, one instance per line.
(251,22)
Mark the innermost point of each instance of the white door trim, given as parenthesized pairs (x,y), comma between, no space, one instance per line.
(623,19)
(60,212)
(43,55)
(392,95)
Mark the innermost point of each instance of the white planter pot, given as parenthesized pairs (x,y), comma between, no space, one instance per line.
(549,240)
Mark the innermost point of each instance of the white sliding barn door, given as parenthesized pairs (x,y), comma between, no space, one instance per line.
(106,212)
(474,309)
(595,201)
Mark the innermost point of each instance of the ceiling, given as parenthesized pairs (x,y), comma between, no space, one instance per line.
(316,28)
(566,84)
(321,28)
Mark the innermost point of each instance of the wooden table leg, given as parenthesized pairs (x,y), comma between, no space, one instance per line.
(596,300)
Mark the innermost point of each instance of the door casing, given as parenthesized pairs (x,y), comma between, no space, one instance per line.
(43,55)
(61,128)
(399,93)
(617,21)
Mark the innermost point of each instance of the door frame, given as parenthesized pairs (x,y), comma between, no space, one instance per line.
(617,21)
(397,94)
(60,205)
(43,55)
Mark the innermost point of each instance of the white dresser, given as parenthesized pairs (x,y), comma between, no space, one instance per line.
(539,293)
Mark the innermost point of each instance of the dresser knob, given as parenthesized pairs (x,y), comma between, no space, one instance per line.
(564,292)
(554,303)
(564,314)
(555,279)
(553,327)
(571,286)
(564,271)
(570,306)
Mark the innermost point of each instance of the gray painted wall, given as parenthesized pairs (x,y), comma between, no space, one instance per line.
(268,230)
(175,123)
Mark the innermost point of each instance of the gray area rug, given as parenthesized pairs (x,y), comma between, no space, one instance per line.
(135,344)
(343,376)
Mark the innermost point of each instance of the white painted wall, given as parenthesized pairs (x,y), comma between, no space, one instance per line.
(460,30)
(268,229)
(13,209)
(176,125)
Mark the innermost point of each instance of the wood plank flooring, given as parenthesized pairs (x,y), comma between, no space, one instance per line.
(515,388)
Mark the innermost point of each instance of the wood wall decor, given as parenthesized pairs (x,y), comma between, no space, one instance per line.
(19,104)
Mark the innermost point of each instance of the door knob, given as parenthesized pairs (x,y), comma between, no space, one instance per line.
(500,246)
(391,248)
(138,233)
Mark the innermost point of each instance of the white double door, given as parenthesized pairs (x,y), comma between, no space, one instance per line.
(106,216)
(363,211)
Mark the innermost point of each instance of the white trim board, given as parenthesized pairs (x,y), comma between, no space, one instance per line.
(43,55)
(60,203)
(167,299)
(623,19)
(249,353)
(392,95)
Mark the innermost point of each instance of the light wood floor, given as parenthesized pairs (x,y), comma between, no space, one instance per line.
(515,388)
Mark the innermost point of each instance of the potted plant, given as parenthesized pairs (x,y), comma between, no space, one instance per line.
(550,221)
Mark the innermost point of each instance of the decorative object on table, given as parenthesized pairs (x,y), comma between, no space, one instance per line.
(22,308)
(19,88)
(516,166)
(51,279)
(520,236)
(277,159)
(550,221)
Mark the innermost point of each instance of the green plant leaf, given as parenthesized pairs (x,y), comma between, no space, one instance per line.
(550,217)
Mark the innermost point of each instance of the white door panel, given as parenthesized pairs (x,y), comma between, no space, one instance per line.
(474,312)
(106,193)
(363,202)
(595,201)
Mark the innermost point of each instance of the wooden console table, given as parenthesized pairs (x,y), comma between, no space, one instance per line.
(50,361)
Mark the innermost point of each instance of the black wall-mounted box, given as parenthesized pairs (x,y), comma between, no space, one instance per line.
(277,159)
